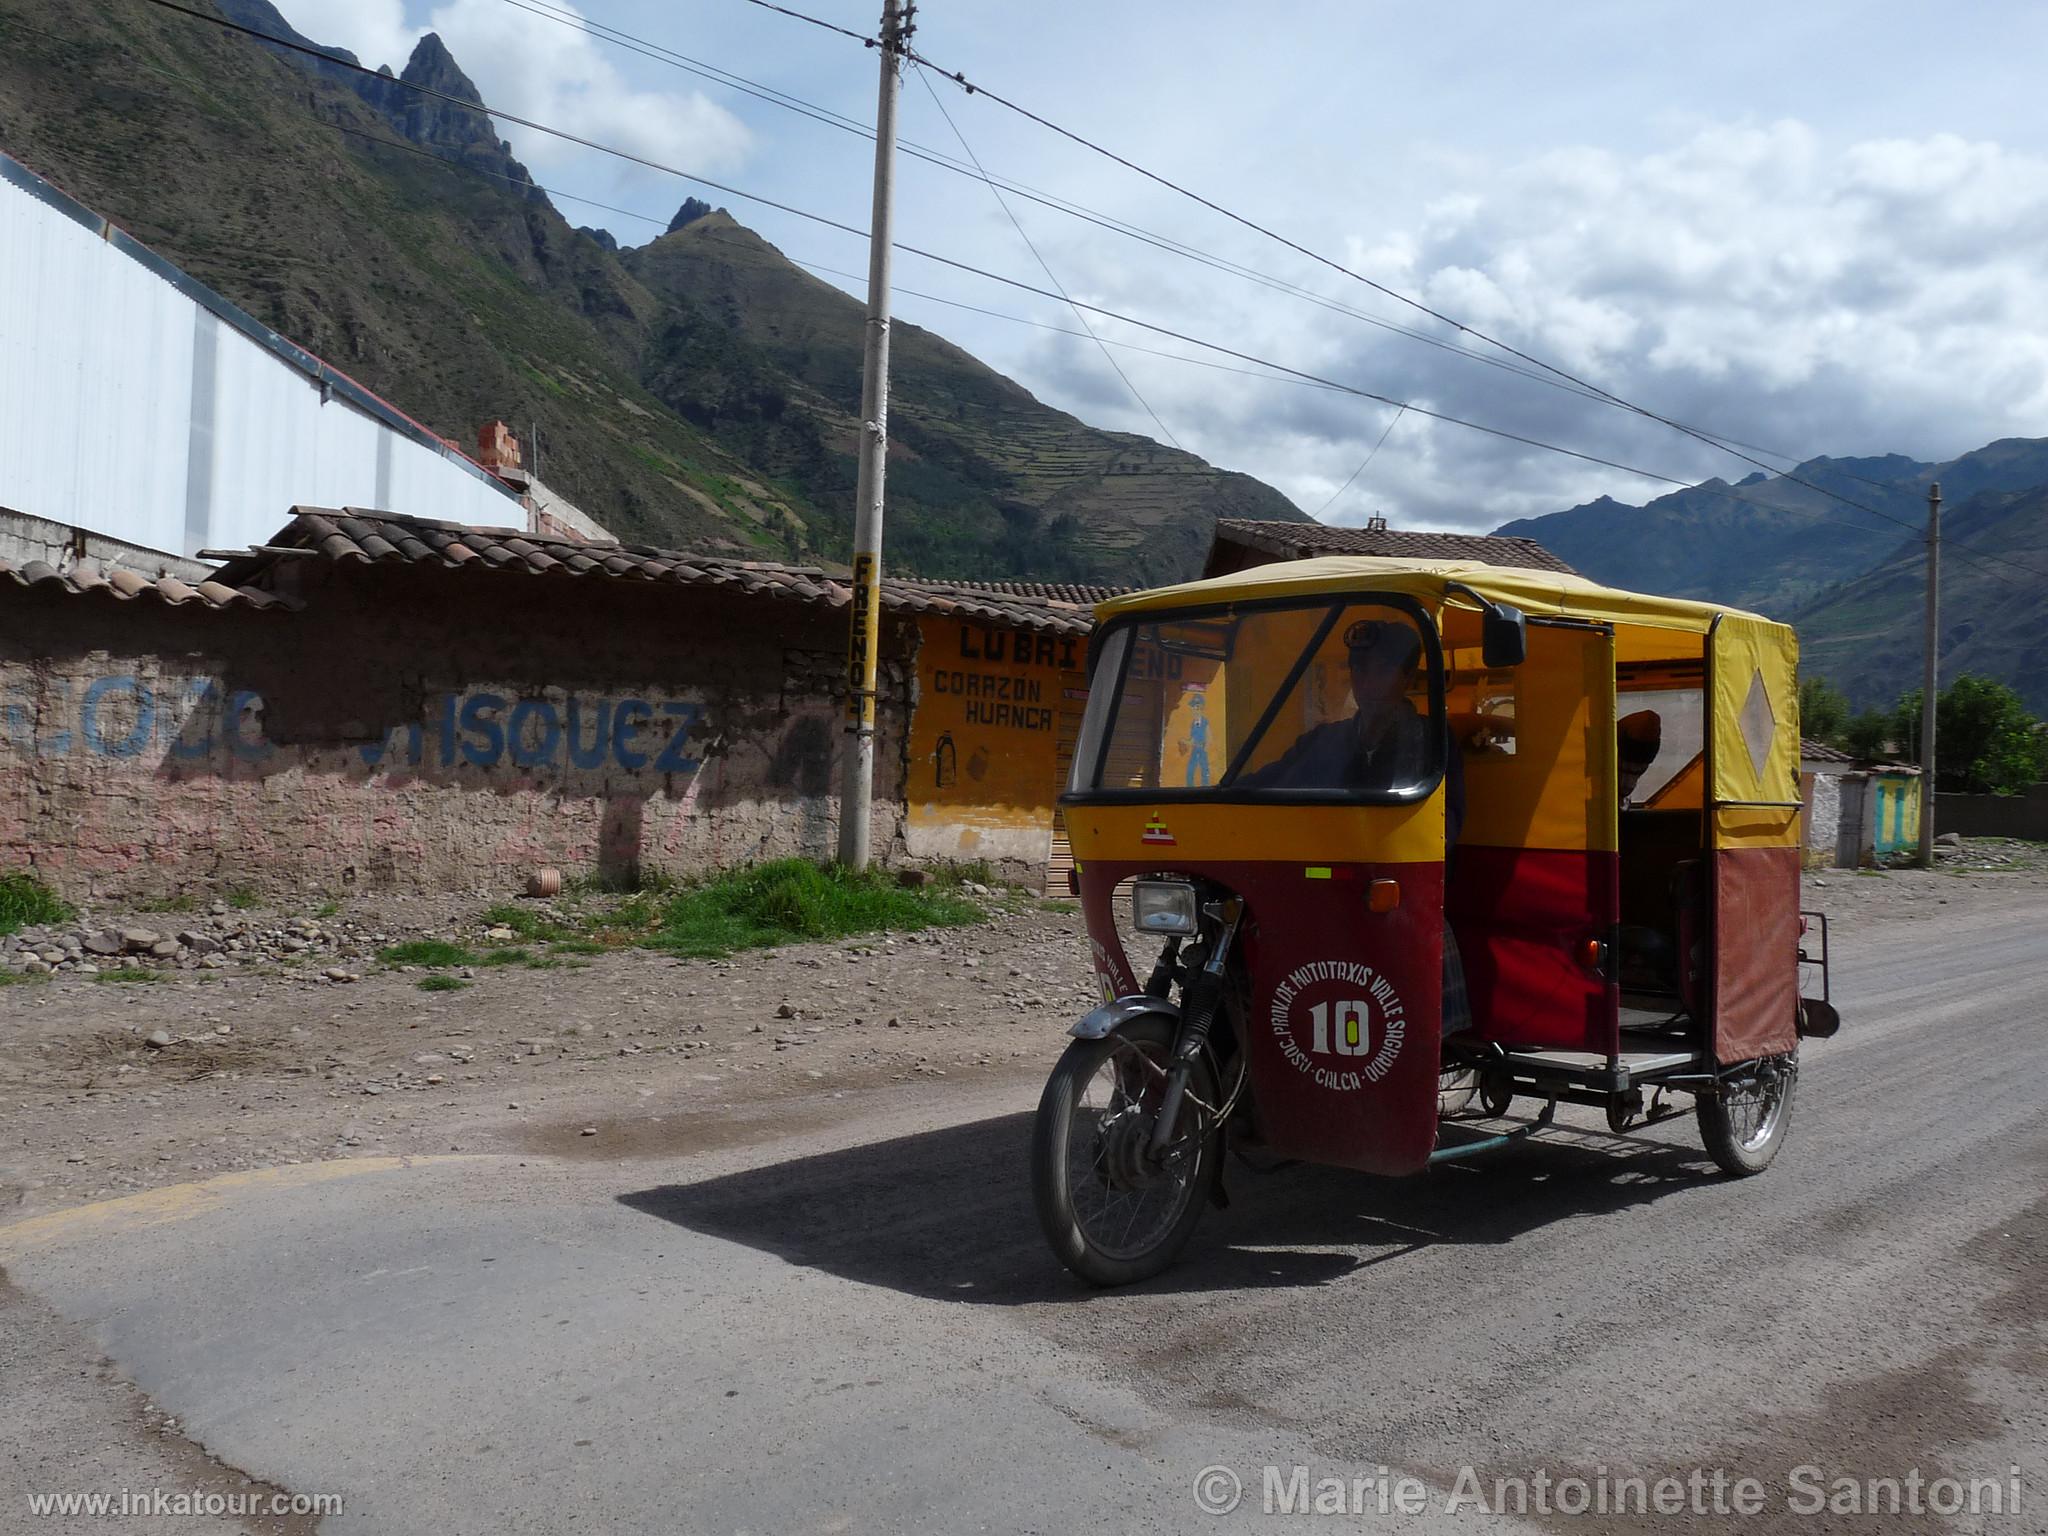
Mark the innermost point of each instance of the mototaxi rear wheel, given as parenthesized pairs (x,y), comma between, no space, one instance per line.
(1744,1124)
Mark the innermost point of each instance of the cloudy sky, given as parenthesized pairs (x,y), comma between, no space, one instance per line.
(1816,228)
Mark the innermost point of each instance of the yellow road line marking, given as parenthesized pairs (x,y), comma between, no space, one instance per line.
(182,1202)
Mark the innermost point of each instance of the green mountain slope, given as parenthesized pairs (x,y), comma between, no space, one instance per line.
(1852,583)
(686,393)
(1764,543)
(962,437)
(452,293)
(1865,636)
(1767,542)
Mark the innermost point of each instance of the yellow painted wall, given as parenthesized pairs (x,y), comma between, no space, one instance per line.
(984,740)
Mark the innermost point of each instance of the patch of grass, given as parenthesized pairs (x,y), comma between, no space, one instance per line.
(576,947)
(129,973)
(184,901)
(641,911)
(524,921)
(22,978)
(980,871)
(328,909)
(546,963)
(434,952)
(507,957)
(624,883)
(792,900)
(440,983)
(25,902)
(241,898)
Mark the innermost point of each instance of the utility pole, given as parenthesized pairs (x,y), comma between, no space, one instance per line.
(857,787)
(1930,676)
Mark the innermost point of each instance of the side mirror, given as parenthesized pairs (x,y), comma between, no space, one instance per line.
(1503,636)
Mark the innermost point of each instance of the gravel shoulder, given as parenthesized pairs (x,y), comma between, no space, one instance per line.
(625,1053)
(272,1061)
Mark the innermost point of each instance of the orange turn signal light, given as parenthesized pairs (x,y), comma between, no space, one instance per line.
(1592,954)
(1383,895)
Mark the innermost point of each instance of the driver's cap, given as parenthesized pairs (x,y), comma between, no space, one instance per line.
(1390,641)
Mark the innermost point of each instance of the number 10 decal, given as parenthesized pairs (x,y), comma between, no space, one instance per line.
(1350,1020)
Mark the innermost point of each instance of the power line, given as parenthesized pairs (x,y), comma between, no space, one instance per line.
(844,228)
(1166,331)
(1057,330)
(1370,456)
(830,118)
(817,21)
(661,54)
(1393,293)
(1576,384)
(635,43)
(1043,265)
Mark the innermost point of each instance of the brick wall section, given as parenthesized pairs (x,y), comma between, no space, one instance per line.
(425,729)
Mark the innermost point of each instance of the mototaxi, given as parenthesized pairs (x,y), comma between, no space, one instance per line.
(1370,849)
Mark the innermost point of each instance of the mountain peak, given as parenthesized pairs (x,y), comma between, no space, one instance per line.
(692,210)
(434,67)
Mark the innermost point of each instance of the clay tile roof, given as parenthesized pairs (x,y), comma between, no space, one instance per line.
(1306,541)
(1081,594)
(354,534)
(1821,752)
(128,586)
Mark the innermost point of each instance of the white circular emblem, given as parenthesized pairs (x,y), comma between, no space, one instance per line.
(1340,1022)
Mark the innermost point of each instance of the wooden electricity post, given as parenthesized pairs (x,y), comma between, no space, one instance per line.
(857,787)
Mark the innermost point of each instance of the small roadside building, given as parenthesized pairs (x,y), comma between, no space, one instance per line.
(368,701)
(1857,814)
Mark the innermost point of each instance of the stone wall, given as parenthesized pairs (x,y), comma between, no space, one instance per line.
(427,729)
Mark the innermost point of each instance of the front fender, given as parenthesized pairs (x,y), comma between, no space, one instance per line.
(1099,1022)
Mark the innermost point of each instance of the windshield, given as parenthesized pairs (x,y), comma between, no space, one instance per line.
(1320,700)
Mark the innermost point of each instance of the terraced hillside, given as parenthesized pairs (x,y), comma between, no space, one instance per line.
(1070,498)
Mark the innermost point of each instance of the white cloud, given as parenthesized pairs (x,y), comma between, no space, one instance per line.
(561,75)
(1880,296)
(551,71)
(373,30)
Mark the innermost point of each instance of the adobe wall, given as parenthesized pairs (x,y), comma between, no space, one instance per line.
(983,770)
(423,729)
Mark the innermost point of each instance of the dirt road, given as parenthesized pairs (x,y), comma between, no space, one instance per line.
(757,1299)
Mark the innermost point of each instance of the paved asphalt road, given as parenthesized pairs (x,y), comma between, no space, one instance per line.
(860,1329)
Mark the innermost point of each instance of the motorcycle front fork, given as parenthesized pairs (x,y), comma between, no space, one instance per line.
(1199,1001)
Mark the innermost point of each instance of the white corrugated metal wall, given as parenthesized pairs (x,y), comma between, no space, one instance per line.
(144,412)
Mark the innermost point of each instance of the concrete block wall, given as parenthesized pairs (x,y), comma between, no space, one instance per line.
(426,730)
(1994,815)
(24,539)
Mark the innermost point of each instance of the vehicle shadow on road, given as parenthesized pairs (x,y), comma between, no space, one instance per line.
(947,1214)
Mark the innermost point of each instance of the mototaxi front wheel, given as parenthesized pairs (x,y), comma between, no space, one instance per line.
(1744,1124)
(1113,1212)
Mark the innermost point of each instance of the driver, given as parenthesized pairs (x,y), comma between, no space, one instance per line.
(1385,744)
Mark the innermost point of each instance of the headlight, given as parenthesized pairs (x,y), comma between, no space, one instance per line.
(1164,906)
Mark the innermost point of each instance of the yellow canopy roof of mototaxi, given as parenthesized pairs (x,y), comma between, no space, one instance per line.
(1544,594)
